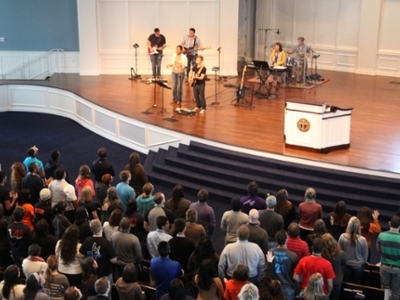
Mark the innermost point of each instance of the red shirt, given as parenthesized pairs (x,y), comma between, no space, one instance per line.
(232,289)
(312,264)
(29,213)
(298,246)
(309,212)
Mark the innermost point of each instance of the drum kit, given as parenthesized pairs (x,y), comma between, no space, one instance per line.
(296,65)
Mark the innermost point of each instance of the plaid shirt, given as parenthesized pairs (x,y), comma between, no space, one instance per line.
(187,42)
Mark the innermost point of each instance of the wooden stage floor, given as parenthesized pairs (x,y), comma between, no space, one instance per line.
(375,131)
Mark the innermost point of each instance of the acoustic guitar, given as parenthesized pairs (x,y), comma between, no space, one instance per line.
(191,78)
(240,90)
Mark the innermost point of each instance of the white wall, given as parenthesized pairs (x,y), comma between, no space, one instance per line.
(354,36)
(118,24)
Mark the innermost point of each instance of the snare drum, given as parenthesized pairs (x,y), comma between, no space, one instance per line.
(290,62)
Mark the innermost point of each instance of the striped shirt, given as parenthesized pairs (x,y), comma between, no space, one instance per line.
(389,245)
(298,246)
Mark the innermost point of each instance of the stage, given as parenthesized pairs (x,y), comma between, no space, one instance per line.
(375,138)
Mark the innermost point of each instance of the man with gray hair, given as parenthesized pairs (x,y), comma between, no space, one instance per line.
(270,220)
(100,249)
(242,252)
(257,235)
(126,245)
(102,287)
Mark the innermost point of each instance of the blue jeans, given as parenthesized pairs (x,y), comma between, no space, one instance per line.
(335,294)
(155,60)
(288,292)
(177,82)
(390,278)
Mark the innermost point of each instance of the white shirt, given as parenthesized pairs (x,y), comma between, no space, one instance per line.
(29,267)
(154,238)
(73,267)
(56,188)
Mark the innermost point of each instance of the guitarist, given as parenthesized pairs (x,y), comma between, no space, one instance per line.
(155,44)
(198,76)
(191,44)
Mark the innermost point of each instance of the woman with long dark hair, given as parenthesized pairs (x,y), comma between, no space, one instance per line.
(138,175)
(285,208)
(10,287)
(34,288)
(356,248)
(336,221)
(204,250)
(337,258)
(176,291)
(56,284)
(319,230)
(89,277)
(67,252)
(112,225)
(369,225)
(82,222)
(178,204)
(111,202)
(18,173)
(207,281)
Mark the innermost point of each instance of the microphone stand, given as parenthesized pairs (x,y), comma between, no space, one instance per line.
(265,40)
(219,77)
(154,80)
(215,69)
(134,70)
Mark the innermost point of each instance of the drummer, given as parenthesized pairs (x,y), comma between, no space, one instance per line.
(301,49)
(277,59)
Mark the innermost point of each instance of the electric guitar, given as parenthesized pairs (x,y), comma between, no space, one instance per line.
(190,51)
(240,91)
(154,50)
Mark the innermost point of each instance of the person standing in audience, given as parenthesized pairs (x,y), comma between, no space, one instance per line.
(60,222)
(257,235)
(100,249)
(102,188)
(89,277)
(18,173)
(72,293)
(57,186)
(34,262)
(88,204)
(284,264)
(52,165)
(309,212)
(127,286)
(269,287)
(205,213)
(33,183)
(207,281)
(315,263)
(270,220)
(285,208)
(138,175)
(319,230)
(7,199)
(56,284)
(5,257)
(204,250)
(112,225)
(43,209)
(252,200)
(356,248)
(315,288)
(178,204)
(337,258)
(124,191)
(32,158)
(20,236)
(82,222)
(100,167)
(336,221)
(34,287)
(163,269)
(42,237)
(369,225)
(145,201)
(150,218)
(231,220)
(111,203)
(193,231)
(388,245)
(84,179)
(233,286)
(127,246)
(155,237)
(67,252)
(24,197)
(10,287)
(176,291)
(180,247)
(249,292)
(102,287)
(137,221)
(242,252)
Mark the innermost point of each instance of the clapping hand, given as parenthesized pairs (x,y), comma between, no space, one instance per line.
(375,214)
(269,256)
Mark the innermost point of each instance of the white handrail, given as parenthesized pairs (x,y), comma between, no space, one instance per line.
(47,56)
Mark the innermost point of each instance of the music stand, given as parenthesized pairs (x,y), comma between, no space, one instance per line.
(134,70)
(163,86)
(261,66)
